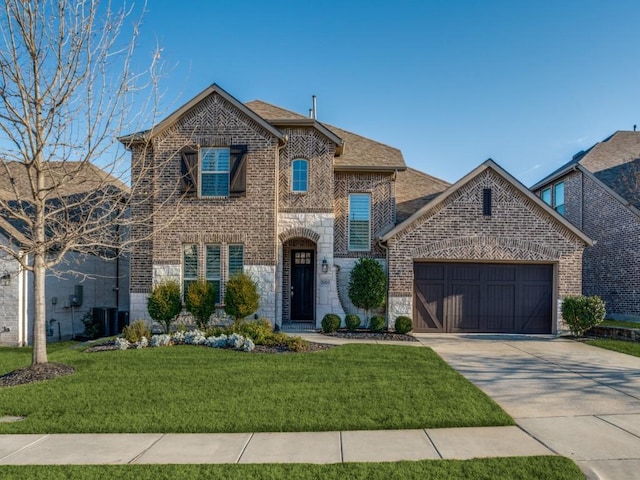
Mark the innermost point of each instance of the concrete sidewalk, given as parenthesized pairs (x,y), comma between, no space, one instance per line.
(302,447)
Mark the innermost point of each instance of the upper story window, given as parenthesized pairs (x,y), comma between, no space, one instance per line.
(554,197)
(359,221)
(300,175)
(214,171)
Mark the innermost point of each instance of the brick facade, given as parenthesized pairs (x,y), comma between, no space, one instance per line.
(610,266)
(518,231)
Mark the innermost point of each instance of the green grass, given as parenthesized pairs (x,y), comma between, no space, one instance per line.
(619,323)
(196,389)
(622,346)
(511,468)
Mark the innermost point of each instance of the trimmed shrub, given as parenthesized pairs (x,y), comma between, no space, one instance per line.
(367,284)
(330,323)
(403,325)
(259,331)
(241,297)
(352,322)
(164,303)
(377,323)
(581,313)
(136,331)
(200,301)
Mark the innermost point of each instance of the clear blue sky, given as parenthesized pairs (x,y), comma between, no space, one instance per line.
(450,83)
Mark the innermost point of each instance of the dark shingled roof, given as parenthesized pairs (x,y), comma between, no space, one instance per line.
(360,153)
(414,189)
(615,162)
(69,178)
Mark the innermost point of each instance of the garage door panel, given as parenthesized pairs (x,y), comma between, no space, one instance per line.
(500,298)
(429,305)
(500,307)
(463,307)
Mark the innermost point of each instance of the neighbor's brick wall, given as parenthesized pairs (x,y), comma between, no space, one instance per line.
(9,301)
(517,231)
(612,265)
(381,186)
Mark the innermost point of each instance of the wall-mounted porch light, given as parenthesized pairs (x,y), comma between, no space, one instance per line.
(5,280)
(325,265)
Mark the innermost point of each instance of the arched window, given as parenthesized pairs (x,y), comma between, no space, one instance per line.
(300,175)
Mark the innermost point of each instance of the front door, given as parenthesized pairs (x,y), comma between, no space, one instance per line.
(302,291)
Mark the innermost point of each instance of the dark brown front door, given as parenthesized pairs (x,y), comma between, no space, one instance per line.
(483,297)
(302,285)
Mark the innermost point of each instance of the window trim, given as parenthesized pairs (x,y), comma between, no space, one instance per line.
(552,192)
(299,161)
(350,247)
(186,279)
(201,172)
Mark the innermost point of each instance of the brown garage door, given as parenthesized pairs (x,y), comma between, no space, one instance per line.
(482,297)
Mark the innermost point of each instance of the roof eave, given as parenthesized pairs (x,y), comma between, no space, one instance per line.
(552,178)
(369,168)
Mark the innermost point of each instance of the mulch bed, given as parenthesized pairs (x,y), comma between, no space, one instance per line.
(35,373)
(367,335)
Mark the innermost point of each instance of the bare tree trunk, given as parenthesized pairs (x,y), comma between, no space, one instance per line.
(39,325)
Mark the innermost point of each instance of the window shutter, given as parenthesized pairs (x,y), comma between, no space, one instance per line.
(238,171)
(189,173)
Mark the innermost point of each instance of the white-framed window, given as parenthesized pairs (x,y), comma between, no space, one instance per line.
(214,171)
(218,261)
(212,270)
(236,259)
(554,197)
(359,221)
(189,265)
(300,175)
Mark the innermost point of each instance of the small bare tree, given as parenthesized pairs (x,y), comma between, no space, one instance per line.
(67,89)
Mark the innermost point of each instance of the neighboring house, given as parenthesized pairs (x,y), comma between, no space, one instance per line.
(599,192)
(80,284)
(295,203)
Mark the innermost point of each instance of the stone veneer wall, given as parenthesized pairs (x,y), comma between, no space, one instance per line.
(517,231)
(316,228)
(345,266)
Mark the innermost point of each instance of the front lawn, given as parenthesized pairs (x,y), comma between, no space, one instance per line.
(513,468)
(622,346)
(186,389)
(619,323)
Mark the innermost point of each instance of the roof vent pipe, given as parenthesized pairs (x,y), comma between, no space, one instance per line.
(314,109)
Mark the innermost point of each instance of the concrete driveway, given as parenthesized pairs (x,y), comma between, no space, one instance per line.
(580,401)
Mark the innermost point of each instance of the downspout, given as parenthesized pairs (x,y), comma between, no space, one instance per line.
(278,280)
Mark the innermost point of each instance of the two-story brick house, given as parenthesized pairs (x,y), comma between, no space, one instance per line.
(294,203)
(598,191)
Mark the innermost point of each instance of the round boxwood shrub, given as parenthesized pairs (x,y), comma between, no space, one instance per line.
(582,313)
(330,323)
(403,325)
(377,323)
(352,322)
